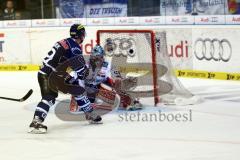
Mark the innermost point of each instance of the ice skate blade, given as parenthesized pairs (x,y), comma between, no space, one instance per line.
(92,122)
(37,131)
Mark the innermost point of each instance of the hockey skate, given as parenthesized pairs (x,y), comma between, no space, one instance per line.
(93,118)
(36,127)
(135,106)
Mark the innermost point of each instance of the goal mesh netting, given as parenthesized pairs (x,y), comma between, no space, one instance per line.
(143,54)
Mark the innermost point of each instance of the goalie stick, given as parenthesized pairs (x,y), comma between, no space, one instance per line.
(29,93)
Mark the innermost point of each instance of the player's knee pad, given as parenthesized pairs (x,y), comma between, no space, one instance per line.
(83,103)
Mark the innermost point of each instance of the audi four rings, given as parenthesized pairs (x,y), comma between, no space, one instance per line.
(208,49)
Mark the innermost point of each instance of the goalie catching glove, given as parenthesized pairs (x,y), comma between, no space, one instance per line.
(121,84)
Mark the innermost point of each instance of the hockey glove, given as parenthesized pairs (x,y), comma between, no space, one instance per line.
(71,80)
(125,84)
(83,72)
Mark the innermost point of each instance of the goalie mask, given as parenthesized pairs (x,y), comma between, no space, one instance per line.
(97,56)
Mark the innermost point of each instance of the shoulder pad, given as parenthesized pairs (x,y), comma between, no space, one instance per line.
(64,44)
(105,64)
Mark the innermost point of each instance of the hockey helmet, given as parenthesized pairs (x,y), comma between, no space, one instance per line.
(77,31)
(97,56)
(98,51)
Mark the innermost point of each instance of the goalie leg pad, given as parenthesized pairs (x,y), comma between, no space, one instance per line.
(109,96)
(126,100)
(106,94)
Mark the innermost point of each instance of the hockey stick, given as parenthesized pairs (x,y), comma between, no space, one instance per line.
(29,93)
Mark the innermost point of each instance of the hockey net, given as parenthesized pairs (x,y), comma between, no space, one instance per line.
(143,54)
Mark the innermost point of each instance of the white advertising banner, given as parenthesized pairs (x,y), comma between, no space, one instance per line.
(100,21)
(15,46)
(156,20)
(45,22)
(232,19)
(212,19)
(175,20)
(179,42)
(99,8)
(17,24)
(216,49)
(127,21)
(70,21)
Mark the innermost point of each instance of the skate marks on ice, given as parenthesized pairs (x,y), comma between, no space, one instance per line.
(219,100)
(224,109)
(229,93)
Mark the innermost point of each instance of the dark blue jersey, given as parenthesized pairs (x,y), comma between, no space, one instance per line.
(61,51)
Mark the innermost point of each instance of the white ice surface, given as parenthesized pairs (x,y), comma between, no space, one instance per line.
(213,133)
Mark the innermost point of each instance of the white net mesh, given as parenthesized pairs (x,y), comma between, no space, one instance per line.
(143,54)
(129,45)
(178,90)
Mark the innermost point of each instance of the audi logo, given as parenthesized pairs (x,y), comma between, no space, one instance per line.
(213,49)
(120,46)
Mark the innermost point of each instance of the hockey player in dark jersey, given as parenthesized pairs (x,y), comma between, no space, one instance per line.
(61,52)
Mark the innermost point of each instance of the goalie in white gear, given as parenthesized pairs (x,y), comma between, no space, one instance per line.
(100,73)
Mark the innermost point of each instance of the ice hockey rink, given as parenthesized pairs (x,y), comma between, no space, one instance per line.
(213,133)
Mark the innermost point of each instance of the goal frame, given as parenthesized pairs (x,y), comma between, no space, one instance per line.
(153,50)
